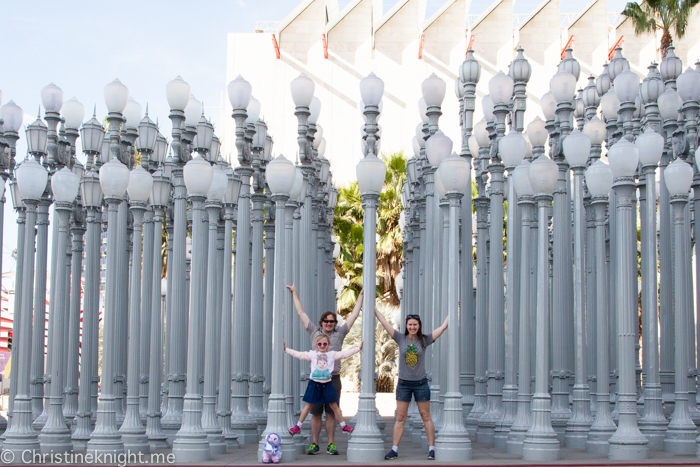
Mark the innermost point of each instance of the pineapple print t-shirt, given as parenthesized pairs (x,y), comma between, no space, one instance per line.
(411,357)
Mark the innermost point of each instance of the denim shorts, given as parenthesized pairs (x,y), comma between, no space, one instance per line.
(419,389)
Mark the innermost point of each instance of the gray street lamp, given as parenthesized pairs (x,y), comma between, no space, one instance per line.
(452,443)
(281,175)
(541,443)
(191,444)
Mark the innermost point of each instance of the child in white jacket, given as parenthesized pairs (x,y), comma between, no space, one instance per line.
(320,391)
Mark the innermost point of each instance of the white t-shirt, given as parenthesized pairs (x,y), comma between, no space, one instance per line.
(322,363)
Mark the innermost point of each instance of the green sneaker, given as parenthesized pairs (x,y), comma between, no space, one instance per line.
(313,449)
(332,450)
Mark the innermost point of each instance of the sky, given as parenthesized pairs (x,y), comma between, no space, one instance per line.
(83,45)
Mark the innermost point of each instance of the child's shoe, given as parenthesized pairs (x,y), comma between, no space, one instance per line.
(294,430)
(348,429)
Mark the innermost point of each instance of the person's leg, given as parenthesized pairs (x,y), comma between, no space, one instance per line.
(401,413)
(424,409)
(330,414)
(316,423)
(338,415)
(304,413)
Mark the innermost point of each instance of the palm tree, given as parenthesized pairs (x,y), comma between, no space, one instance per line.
(651,15)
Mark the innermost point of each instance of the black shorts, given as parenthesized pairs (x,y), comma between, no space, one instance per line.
(318,409)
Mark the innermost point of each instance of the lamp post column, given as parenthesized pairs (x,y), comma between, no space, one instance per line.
(269,229)
(132,430)
(541,443)
(627,443)
(452,443)
(255,384)
(147,291)
(277,405)
(190,444)
(290,377)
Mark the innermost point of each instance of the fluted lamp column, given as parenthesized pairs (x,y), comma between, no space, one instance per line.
(281,175)
(365,444)
(114,179)
(190,444)
(627,443)
(681,430)
(452,443)
(132,430)
(541,443)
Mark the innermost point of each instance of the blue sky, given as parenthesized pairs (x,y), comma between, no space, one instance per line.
(83,45)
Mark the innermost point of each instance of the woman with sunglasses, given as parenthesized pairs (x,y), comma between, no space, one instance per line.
(413,379)
(336,335)
(320,391)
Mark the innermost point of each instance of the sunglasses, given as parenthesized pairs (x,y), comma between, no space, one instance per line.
(329,321)
(322,344)
(413,317)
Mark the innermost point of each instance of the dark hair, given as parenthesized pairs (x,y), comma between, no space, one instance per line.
(421,336)
(325,315)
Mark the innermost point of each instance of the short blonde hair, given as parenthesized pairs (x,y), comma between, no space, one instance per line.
(320,337)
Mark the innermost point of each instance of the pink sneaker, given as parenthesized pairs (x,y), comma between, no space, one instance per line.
(348,429)
(294,430)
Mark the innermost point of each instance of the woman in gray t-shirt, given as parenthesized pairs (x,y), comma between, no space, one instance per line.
(413,380)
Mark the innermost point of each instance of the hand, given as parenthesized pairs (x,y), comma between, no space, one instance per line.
(447,322)
(291,288)
(361,295)
(285,346)
(361,344)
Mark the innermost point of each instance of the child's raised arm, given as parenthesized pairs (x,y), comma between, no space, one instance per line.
(296,353)
(349,352)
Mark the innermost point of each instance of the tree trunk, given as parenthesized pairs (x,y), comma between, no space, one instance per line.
(666,42)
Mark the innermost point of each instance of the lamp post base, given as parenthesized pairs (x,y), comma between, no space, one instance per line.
(365,444)
(681,441)
(628,452)
(514,444)
(597,442)
(452,443)
(276,421)
(541,447)
(246,429)
(56,441)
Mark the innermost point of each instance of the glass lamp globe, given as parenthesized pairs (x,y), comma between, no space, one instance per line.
(105,152)
(233,188)
(669,104)
(470,71)
(563,87)
(116,96)
(415,146)
(319,135)
(16,196)
(590,94)
(439,187)
(678,176)
(652,86)
(520,70)
(433,88)
(599,179)
(253,111)
(671,66)
(423,110)
(322,147)
(91,136)
(239,92)
(536,132)
(459,89)
(501,88)
(140,185)
(603,82)
(371,173)
(148,134)
(371,89)
(543,175)
(37,136)
(78,169)
(420,136)
(215,148)
(627,85)
(688,84)
(639,111)
(512,149)
(618,64)
(64,185)
(482,134)
(298,182)
(12,116)
(528,152)
(132,113)
(473,146)
(160,191)
(302,90)
(595,130)
(454,173)
(487,107)
(73,112)
(114,179)
(412,170)
(52,98)
(177,92)
(193,112)
(219,181)
(31,179)
(521,179)
(577,148)
(570,65)
(579,106)
(610,104)
(198,174)
(549,105)
(205,133)
(437,148)
(281,175)
(314,110)
(624,158)
(651,147)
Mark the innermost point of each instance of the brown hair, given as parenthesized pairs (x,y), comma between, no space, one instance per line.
(325,315)
(421,336)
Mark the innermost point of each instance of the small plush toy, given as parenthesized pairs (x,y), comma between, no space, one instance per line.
(271,450)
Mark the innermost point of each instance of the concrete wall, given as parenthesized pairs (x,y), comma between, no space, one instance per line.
(493,38)
(590,31)
(639,50)
(688,48)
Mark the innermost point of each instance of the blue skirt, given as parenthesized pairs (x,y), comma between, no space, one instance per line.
(320,393)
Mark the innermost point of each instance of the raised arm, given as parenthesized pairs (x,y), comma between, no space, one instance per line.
(389,328)
(298,306)
(348,353)
(438,332)
(355,311)
(297,354)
